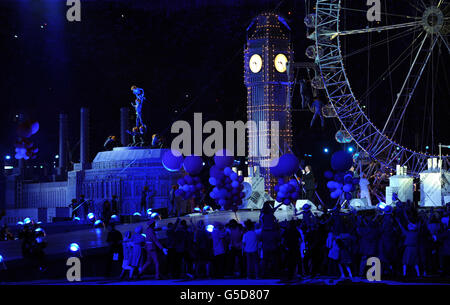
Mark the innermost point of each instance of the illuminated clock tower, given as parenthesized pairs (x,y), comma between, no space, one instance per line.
(267,53)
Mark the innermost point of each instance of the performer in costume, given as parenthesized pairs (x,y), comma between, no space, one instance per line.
(305,92)
(137,105)
(364,189)
(317,105)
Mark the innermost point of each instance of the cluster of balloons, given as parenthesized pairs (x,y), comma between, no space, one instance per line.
(25,148)
(227,191)
(286,165)
(341,182)
(287,191)
(189,187)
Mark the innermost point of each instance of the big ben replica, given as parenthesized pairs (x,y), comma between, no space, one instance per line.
(267,53)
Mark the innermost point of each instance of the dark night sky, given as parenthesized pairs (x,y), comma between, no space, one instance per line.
(179,54)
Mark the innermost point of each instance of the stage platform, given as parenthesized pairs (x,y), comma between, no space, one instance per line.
(92,238)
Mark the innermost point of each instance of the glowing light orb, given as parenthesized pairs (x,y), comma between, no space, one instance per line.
(74,247)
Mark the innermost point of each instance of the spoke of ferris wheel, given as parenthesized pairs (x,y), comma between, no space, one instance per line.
(397,62)
(376,29)
(445,41)
(409,96)
(424,5)
(440,2)
(415,7)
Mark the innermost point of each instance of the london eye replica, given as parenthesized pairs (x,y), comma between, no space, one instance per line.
(388,108)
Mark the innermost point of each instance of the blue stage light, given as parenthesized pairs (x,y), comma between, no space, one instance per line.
(137,214)
(114,217)
(27,220)
(98,222)
(325,150)
(206,208)
(7,157)
(381,205)
(143,234)
(76,218)
(197,209)
(74,247)
(350,149)
(38,230)
(209,228)
(154,214)
(427,147)
(1,258)
(90,216)
(149,212)
(19,223)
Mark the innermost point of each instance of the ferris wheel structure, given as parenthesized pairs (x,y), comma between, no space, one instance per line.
(430,27)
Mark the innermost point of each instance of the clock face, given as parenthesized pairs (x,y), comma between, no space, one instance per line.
(280,63)
(255,63)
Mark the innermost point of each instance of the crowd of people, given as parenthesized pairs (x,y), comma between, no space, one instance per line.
(408,243)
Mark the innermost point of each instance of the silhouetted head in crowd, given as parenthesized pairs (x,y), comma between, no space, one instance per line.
(249,224)
(233,223)
(183,224)
(268,207)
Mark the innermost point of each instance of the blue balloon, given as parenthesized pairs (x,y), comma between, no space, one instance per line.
(288,164)
(172,160)
(336,194)
(178,192)
(223,158)
(227,171)
(193,164)
(212,195)
(294,196)
(188,179)
(341,161)
(329,175)
(240,179)
(234,176)
(234,184)
(339,177)
(347,188)
(275,168)
(287,201)
(331,184)
(216,172)
(212,181)
(348,179)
